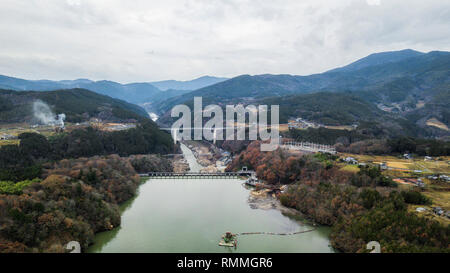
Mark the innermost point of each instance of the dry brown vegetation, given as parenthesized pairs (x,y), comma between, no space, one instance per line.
(76,199)
(361,206)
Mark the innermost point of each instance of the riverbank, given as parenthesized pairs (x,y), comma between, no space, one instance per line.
(351,203)
(190,215)
(217,206)
(76,199)
(180,164)
(209,156)
(265,200)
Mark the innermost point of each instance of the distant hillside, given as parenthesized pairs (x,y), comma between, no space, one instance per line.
(325,108)
(337,109)
(132,92)
(405,87)
(345,109)
(240,88)
(78,105)
(188,85)
(437,108)
(379,59)
(391,77)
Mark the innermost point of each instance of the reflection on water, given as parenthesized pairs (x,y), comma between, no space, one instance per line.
(190,215)
(102,238)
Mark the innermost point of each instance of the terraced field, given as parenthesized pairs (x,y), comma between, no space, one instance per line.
(427,167)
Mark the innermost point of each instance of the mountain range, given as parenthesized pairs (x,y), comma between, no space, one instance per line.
(379,59)
(188,85)
(382,77)
(407,86)
(131,92)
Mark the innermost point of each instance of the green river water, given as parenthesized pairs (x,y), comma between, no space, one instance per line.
(190,215)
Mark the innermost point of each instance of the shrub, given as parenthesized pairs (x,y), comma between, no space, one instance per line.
(416,198)
(9,187)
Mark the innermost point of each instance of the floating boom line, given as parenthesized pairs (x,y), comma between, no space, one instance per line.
(273,233)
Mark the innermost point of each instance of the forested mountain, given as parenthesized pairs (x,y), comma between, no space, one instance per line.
(326,108)
(378,59)
(347,109)
(438,108)
(402,89)
(241,87)
(188,85)
(77,104)
(131,92)
(390,77)
(408,86)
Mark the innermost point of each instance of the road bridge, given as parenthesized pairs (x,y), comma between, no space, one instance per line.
(193,175)
(308,147)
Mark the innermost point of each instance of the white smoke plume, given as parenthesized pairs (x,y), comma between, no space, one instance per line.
(45,115)
(60,120)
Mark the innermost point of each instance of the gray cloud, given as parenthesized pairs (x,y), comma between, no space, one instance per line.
(153,40)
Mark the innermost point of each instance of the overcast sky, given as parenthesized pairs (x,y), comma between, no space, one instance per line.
(148,40)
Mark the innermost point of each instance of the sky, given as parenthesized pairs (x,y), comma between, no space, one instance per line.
(149,40)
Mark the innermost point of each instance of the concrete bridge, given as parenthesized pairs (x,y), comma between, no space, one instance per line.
(192,175)
(308,147)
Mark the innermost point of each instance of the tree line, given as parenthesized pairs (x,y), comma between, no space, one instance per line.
(24,161)
(361,207)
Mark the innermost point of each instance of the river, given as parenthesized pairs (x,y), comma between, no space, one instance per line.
(194,166)
(190,215)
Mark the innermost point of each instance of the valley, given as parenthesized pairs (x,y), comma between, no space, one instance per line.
(169,205)
(74,154)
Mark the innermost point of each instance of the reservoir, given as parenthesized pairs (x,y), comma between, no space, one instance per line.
(191,215)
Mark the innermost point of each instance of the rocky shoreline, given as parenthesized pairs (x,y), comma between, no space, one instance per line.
(207,155)
(263,199)
(180,164)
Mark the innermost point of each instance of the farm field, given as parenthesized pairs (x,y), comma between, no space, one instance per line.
(49,130)
(440,196)
(350,168)
(9,142)
(428,167)
(340,127)
(19,128)
(438,192)
(436,123)
(283,127)
(429,214)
